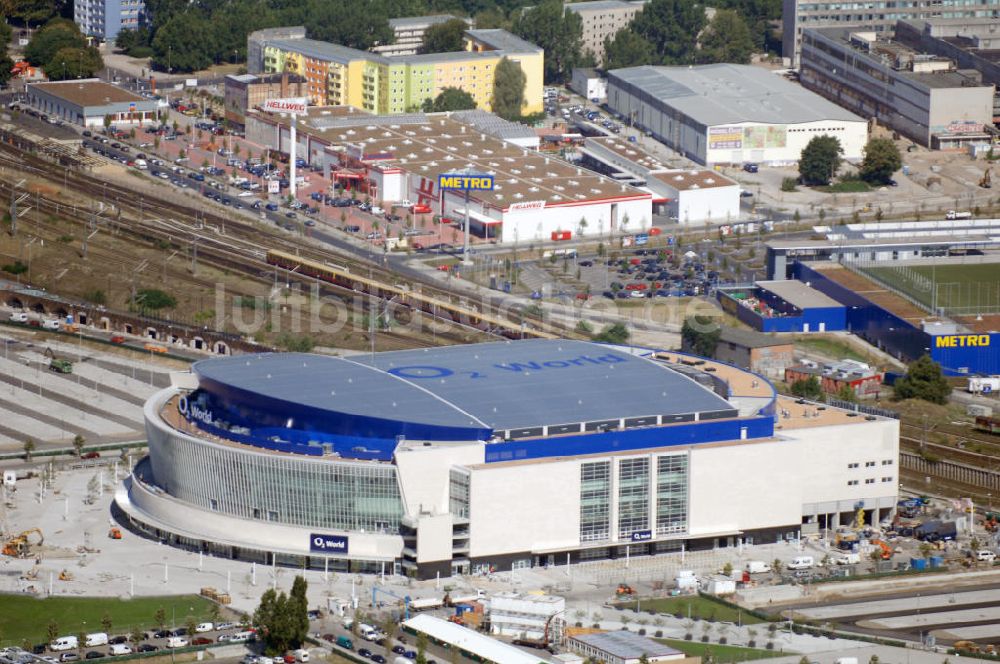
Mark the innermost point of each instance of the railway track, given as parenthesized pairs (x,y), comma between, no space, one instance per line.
(156,222)
(227,242)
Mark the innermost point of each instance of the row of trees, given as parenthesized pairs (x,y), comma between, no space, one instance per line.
(678,32)
(62,51)
(6,64)
(823,155)
(283,620)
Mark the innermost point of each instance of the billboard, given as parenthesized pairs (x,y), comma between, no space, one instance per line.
(725,138)
(642,535)
(765,136)
(294,105)
(465,182)
(328,543)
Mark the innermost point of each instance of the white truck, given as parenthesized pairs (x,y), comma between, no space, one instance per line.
(953,214)
(466,596)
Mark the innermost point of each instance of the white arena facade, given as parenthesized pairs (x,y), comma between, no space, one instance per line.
(466,459)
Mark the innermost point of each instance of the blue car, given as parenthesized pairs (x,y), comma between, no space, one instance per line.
(273,207)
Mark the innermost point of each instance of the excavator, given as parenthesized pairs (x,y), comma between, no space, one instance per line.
(19,546)
(886,549)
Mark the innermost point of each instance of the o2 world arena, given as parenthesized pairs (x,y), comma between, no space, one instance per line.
(465,459)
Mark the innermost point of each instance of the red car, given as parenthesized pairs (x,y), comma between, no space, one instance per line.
(91,455)
(443,268)
(117,339)
(421,209)
(201,641)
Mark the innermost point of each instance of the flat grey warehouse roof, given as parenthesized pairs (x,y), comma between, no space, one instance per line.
(727,93)
(798,294)
(502,385)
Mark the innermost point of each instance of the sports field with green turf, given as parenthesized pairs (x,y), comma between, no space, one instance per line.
(28,618)
(958,289)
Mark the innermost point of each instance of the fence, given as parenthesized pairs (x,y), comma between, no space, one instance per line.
(951,470)
(861,408)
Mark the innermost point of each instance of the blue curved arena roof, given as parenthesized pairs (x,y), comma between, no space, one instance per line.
(504,386)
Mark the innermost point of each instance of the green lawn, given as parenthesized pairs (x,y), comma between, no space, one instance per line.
(695,607)
(28,618)
(720,654)
(833,348)
(846,187)
(972,286)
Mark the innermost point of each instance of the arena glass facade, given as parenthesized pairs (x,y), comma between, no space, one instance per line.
(459,506)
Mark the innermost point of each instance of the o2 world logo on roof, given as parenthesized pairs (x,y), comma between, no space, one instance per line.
(422,371)
(465,182)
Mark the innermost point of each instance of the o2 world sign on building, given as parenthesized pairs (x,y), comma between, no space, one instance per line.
(294,105)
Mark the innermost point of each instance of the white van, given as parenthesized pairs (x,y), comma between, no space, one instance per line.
(757,567)
(120,649)
(96,639)
(19,317)
(176,642)
(301,655)
(985,556)
(801,562)
(64,643)
(141,164)
(52,324)
(849,558)
(204,627)
(241,637)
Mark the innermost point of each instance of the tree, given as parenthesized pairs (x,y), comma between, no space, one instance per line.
(52,630)
(55,35)
(445,37)
(701,335)
(29,447)
(560,32)
(450,99)
(508,89)
(6,64)
(820,160)
(923,380)
(846,393)
(106,623)
(615,333)
(191,625)
(627,49)
(298,609)
(882,159)
(185,43)
(72,63)
(726,39)
(807,388)
(136,635)
(160,618)
(78,443)
(421,649)
(672,28)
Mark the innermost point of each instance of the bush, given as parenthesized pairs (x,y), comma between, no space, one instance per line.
(704,638)
(770,645)
(153,299)
(723,640)
(141,52)
(789,184)
(642,631)
(578,623)
(751,643)
(687,637)
(659,634)
(17,267)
